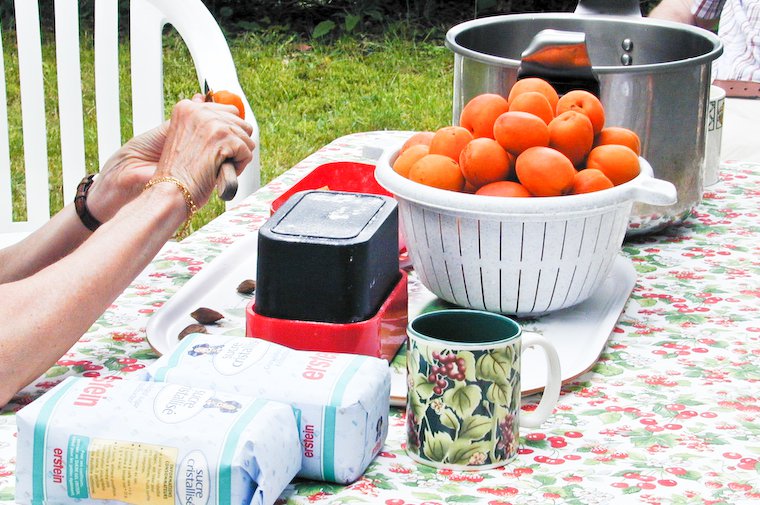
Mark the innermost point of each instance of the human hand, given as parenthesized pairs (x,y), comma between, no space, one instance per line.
(125,173)
(201,136)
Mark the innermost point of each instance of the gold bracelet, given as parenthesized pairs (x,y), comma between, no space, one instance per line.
(189,203)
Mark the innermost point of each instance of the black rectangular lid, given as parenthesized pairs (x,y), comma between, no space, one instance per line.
(329,215)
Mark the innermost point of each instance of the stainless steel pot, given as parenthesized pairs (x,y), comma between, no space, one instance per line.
(653,77)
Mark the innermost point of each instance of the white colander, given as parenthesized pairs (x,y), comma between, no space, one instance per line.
(521,256)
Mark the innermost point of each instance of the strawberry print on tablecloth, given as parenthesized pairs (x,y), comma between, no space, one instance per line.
(669,414)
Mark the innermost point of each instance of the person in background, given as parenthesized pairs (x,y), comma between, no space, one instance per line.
(738,24)
(736,70)
(56,283)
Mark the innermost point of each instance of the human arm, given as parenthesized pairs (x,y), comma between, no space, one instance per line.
(689,12)
(121,179)
(46,313)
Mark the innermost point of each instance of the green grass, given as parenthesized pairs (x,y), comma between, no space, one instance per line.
(303,96)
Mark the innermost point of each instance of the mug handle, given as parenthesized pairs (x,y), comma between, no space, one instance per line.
(553,381)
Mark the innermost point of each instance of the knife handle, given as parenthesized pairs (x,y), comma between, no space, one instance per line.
(226,182)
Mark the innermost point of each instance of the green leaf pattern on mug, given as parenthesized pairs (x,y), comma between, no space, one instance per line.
(449,419)
(469,363)
(462,451)
(412,365)
(499,393)
(475,427)
(463,399)
(417,405)
(495,366)
(463,407)
(423,387)
(437,446)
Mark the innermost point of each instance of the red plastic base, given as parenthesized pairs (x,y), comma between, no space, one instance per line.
(348,176)
(380,336)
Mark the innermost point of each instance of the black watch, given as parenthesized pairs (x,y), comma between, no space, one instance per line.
(80,203)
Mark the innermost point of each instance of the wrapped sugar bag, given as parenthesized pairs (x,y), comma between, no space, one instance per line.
(340,400)
(105,440)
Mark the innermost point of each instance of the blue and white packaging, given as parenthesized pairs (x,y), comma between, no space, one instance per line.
(341,401)
(104,441)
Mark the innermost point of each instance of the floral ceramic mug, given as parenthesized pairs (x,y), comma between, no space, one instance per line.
(463,403)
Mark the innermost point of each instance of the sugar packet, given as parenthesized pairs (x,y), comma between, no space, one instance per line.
(341,400)
(105,440)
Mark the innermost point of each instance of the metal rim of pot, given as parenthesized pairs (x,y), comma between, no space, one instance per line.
(707,57)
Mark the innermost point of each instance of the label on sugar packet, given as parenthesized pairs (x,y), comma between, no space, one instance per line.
(105,469)
(105,440)
(341,400)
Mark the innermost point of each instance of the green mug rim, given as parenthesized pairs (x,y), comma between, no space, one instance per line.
(501,318)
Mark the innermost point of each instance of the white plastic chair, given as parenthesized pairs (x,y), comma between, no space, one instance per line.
(208,49)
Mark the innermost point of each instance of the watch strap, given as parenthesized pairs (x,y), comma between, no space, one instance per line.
(80,203)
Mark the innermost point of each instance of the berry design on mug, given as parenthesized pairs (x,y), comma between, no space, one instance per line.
(463,405)
(508,433)
(451,367)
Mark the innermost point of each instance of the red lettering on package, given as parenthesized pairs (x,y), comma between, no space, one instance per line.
(94,391)
(58,465)
(308,441)
(317,365)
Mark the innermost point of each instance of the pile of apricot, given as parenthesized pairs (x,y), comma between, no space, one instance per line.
(531,143)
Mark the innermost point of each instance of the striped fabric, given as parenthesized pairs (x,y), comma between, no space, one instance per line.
(707,9)
(739,30)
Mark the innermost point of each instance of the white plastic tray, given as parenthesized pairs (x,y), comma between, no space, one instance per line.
(579,333)
(214,287)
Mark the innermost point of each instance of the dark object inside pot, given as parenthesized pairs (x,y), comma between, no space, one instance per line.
(560,58)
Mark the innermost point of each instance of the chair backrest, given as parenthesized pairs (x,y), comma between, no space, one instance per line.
(208,49)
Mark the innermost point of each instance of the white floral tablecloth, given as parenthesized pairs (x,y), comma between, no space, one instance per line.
(669,414)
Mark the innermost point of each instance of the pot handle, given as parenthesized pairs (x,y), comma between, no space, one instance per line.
(648,189)
(609,7)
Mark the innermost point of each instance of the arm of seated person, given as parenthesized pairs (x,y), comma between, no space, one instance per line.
(681,11)
(120,180)
(51,242)
(45,313)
